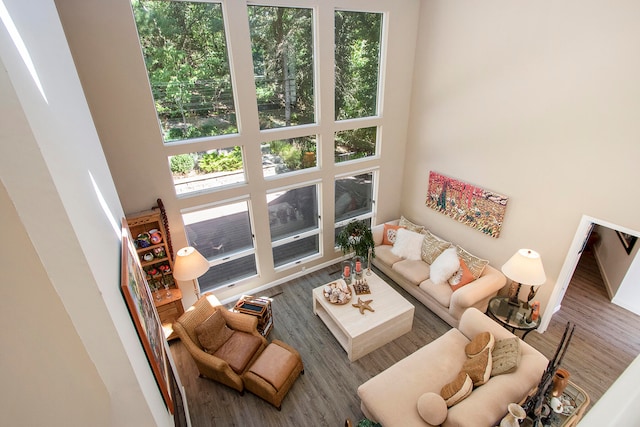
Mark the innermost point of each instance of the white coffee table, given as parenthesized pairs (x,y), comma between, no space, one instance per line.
(360,334)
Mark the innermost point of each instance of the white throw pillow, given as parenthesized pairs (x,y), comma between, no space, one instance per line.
(445,266)
(408,244)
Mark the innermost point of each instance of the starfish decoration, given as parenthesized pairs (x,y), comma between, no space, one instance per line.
(363,305)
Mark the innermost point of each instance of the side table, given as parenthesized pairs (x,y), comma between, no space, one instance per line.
(169,308)
(259,307)
(512,317)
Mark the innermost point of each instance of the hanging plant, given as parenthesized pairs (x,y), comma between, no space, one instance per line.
(356,237)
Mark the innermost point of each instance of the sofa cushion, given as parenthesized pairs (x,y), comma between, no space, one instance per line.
(389,234)
(413,271)
(474,264)
(461,277)
(505,356)
(479,367)
(408,244)
(213,332)
(479,343)
(458,389)
(384,254)
(404,222)
(238,350)
(432,247)
(444,266)
(432,408)
(441,293)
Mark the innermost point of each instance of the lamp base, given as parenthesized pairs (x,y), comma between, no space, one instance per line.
(513,296)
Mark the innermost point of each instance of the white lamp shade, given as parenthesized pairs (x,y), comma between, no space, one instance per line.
(525,267)
(190,264)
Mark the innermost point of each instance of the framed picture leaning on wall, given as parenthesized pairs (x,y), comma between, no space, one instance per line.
(143,313)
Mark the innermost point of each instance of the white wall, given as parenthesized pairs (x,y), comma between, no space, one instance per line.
(534,100)
(69,346)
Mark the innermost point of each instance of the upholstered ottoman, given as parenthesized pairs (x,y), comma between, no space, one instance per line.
(274,372)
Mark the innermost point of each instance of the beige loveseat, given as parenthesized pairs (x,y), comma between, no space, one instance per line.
(391,397)
(414,276)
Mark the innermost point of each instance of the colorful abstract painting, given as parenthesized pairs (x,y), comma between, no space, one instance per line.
(471,205)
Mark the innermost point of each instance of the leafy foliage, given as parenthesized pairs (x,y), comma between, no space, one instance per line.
(186,57)
(221,161)
(357,54)
(182,164)
(356,236)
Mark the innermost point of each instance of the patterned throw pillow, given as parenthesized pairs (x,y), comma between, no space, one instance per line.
(474,264)
(404,222)
(505,356)
(432,247)
(389,234)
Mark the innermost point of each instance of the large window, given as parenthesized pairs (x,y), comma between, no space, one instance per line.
(185,52)
(282,49)
(357,62)
(223,235)
(293,222)
(241,121)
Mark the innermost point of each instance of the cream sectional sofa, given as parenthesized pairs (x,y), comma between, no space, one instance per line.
(414,276)
(391,397)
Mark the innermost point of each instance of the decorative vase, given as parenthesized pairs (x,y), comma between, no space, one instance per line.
(514,416)
(347,273)
(358,267)
(560,381)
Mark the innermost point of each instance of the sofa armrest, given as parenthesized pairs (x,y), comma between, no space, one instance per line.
(477,293)
(242,322)
(377,231)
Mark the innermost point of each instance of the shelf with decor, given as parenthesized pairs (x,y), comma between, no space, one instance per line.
(150,233)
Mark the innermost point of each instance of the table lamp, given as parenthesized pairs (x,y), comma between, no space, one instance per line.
(524,268)
(189,265)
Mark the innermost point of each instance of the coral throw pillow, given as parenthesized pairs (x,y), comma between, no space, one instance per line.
(462,277)
(389,234)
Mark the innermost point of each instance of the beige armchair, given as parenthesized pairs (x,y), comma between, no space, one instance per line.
(227,364)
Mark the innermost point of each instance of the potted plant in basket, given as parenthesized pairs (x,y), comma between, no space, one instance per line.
(356,237)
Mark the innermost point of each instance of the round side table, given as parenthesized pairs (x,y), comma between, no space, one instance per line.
(512,317)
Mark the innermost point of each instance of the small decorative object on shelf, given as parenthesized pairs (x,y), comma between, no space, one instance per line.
(361,287)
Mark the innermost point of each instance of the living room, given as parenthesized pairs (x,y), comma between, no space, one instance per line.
(470,81)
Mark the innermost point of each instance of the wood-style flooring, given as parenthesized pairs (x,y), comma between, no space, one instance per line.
(604,344)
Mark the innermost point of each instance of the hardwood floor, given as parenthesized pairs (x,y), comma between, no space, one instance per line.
(606,338)
(604,344)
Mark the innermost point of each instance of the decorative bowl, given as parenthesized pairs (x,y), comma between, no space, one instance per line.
(337,292)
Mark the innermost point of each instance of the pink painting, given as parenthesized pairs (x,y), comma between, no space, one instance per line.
(471,205)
